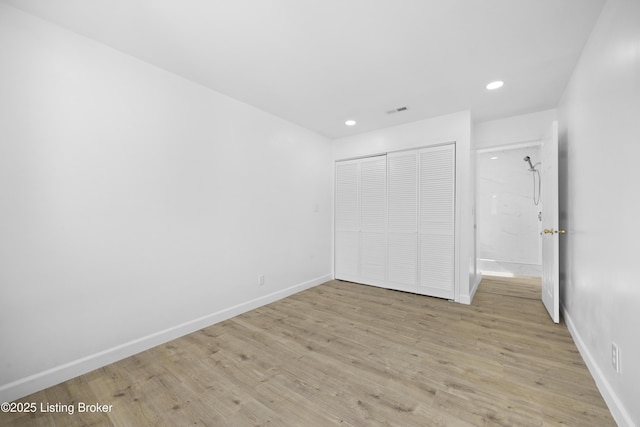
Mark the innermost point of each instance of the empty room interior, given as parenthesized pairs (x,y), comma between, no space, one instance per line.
(280,212)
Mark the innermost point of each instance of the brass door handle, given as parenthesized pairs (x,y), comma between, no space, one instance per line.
(552,231)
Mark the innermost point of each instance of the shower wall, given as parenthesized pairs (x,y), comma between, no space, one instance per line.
(509,241)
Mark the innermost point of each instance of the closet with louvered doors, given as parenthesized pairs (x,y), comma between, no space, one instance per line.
(395,221)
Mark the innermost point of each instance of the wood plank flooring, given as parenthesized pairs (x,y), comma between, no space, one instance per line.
(355,355)
(520,286)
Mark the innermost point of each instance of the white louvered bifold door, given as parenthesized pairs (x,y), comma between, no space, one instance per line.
(437,221)
(373,232)
(395,221)
(402,222)
(347,221)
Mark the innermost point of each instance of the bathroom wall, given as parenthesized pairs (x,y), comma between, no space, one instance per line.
(508,227)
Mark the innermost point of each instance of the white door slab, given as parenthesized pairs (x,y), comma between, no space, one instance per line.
(550,226)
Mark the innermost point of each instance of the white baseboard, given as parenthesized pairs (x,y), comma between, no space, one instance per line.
(33,383)
(466,299)
(616,407)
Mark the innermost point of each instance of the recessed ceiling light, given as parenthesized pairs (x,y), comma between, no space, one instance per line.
(350,122)
(494,158)
(495,85)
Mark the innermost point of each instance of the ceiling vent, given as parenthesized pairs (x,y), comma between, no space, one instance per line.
(397,110)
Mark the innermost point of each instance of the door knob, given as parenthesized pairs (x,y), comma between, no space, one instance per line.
(552,231)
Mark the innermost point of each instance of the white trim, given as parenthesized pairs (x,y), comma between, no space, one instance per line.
(511,262)
(467,299)
(510,146)
(33,383)
(616,407)
(384,153)
(360,157)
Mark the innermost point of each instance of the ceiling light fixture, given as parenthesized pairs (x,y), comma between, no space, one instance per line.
(495,85)
(350,122)
(494,158)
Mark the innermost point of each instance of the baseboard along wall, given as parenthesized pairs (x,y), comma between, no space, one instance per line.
(616,407)
(31,384)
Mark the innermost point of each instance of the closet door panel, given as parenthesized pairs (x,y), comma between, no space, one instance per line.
(373,189)
(347,221)
(437,221)
(373,248)
(403,187)
(347,255)
(402,248)
(403,257)
(347,196)
(373,216)
(436,266)
(437,184)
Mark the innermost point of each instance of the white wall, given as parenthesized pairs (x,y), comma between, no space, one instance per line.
(452,127)
(137,206)
(599,119)
(512,130)
(509,240)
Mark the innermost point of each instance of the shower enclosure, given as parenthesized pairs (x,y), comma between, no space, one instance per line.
(508,211)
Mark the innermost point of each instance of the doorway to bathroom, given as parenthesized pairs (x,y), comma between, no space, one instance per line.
(509,210)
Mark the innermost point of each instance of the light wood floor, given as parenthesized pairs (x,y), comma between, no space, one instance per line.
(349,354)
(521,287)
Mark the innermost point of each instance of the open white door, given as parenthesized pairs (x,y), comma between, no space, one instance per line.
(550,244)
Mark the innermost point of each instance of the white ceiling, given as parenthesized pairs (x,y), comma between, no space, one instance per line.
(318,62)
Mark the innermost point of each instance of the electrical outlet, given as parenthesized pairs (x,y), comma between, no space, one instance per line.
(261,280)
(615,357)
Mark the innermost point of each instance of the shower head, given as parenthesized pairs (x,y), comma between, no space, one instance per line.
(528,159)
